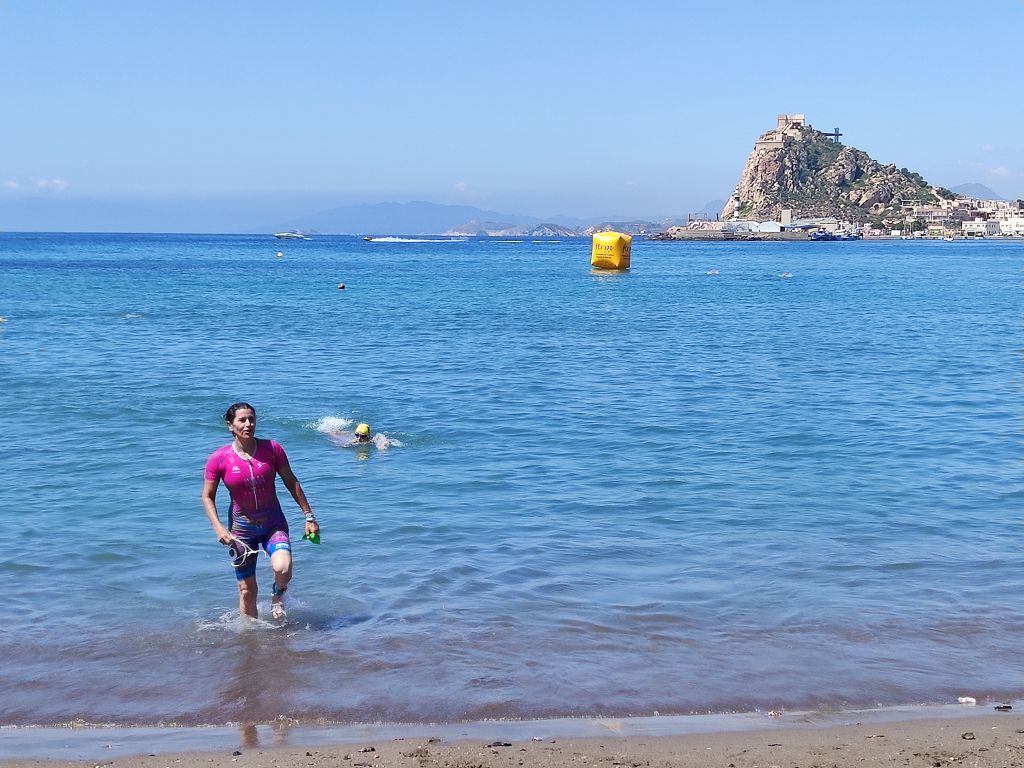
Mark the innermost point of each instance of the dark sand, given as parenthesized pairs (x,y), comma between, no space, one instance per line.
(977,741)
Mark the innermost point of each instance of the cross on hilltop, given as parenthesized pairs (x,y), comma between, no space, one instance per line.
(834,135)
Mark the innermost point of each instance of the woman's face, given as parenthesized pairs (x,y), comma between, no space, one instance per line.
(244,424)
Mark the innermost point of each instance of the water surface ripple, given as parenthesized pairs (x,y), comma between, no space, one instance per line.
(662,491)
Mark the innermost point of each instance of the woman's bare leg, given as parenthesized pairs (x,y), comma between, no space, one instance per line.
(247,591)
(281,562)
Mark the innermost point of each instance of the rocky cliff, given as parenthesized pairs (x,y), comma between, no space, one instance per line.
(802,169)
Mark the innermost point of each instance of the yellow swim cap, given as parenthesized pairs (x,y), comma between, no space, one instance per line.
(363,429)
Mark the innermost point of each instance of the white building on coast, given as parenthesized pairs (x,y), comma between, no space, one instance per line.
(1012,227)
(980,228)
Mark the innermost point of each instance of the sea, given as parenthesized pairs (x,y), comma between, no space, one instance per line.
(739,478)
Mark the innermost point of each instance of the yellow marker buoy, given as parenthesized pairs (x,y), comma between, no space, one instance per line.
(280,255)
(610,250)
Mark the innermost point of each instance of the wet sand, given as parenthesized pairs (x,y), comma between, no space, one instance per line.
(977,741)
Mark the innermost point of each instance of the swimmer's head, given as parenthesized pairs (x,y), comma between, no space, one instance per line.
(235,408)
(363,430)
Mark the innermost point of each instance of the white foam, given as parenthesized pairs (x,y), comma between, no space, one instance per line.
(330,424)
(418,240)
(231,621)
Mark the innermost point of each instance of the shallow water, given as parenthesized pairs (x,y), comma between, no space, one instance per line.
(660,491)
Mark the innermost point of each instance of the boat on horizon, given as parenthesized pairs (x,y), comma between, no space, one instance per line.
(293,235)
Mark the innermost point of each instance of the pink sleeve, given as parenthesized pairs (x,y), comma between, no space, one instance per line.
(280,457)
(213,470)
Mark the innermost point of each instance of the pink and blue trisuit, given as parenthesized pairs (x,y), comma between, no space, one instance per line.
(255,515)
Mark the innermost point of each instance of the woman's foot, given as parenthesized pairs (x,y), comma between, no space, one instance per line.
(277,611)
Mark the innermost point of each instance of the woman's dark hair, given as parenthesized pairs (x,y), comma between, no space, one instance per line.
(235,408)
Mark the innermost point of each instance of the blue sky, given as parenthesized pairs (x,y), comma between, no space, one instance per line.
(578,108)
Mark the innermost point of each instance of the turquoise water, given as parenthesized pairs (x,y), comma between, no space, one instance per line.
(661,491)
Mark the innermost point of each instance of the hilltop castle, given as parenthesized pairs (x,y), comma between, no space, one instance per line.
(788,127)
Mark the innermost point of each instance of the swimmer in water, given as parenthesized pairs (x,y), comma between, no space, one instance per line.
(362,435)
(248,467)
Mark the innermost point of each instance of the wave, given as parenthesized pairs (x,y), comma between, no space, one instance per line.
(417,239)
(330,424)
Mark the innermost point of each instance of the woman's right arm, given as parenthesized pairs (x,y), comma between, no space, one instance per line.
(210,505)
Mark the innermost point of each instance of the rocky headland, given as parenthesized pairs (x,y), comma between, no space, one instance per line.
(810,173)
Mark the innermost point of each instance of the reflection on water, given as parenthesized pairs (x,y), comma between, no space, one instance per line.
(249,734)
(254,686)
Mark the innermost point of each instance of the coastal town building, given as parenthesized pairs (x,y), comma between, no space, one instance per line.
(1011,227)
(980,228)
(827,223)
(965,216)
(1005,209)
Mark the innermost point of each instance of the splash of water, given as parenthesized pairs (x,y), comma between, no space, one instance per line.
(330,424)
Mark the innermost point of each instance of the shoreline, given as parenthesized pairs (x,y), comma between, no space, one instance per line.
(717,236)
(637,738)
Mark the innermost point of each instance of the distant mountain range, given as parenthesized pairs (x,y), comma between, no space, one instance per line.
(264,215)
(423,218)
(416,218)
(977,191)
(475,228)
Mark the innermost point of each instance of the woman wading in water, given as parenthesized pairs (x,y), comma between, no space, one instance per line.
(248,466)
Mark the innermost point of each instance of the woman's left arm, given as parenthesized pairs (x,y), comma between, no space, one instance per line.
(291,482)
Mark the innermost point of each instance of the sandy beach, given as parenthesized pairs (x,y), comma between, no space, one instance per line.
(977,741)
